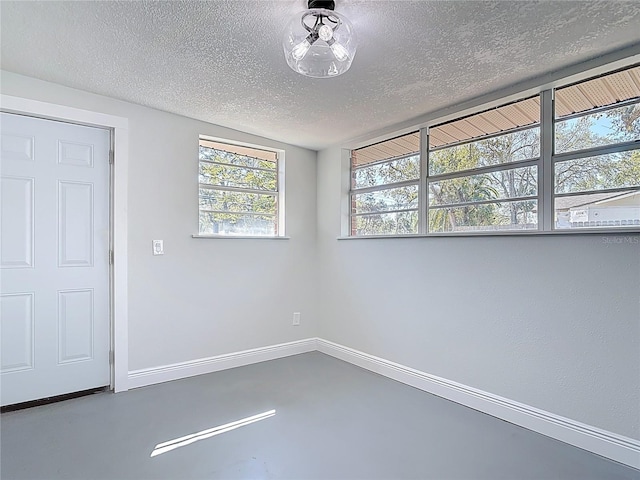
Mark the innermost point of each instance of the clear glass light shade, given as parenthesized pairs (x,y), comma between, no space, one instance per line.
(319,43)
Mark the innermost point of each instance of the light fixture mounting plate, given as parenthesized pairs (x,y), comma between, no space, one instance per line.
(326,4)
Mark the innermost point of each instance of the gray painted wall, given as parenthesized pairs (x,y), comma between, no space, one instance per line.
(549,321)
(203,297)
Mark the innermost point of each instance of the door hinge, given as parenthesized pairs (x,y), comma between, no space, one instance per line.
(110,257)
(111,357)
(111,156)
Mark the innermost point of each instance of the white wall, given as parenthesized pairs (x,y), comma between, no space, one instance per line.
(203,297)
(549,321)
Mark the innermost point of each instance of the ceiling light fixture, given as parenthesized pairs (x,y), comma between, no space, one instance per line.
(319,42)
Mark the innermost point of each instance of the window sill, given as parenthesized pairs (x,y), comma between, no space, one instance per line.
(240,237)
(618,232)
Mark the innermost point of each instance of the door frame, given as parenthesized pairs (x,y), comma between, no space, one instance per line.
(118,294)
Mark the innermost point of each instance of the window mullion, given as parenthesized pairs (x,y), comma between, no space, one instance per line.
(385,186)
(224,188)
(423,217)
(595,151)
(383,212)
(545,172)
(484,170)
(444,206)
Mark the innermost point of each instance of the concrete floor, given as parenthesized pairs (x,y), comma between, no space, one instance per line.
(332,421)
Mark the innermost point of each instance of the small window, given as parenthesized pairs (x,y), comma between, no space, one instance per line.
(597,152)
(385,186)
(239,190)
(483,171)
(599,112)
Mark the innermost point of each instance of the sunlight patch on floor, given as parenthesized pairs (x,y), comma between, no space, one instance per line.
(204,434)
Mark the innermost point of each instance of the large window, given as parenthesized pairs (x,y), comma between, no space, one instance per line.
(564,159)
(483,170)
(239,190)
(596,162)
(385,181)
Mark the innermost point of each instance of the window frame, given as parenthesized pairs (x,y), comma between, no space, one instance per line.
(385,186)
(278,193)
(545,163)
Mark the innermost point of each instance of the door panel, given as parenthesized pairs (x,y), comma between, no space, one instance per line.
(17,332)
(75,224)
(16,226)
(54,289)
(75,325)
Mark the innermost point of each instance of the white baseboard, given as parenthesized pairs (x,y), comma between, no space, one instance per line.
(175,371)
(611,445)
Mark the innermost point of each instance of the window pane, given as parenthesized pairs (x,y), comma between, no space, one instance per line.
(397,223)
(231,176)
(402,146)
(613,170)
(390,172)
(505,118)
(598,129)
(214,155)
(520,215)
(516,182)
(391,199)
(520,145)
(619,209)
(237,224)
(598,92)
(237,201)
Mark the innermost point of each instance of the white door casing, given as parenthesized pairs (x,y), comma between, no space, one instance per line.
(54,301)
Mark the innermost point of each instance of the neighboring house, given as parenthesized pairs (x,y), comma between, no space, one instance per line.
(598,210)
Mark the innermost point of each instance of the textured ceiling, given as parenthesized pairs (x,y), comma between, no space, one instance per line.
(222,61)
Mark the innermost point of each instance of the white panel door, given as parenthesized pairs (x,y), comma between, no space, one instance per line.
(54,263)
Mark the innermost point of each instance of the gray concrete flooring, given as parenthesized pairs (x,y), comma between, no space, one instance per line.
(333,421)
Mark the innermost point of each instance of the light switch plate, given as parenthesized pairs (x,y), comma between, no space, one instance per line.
(158,247)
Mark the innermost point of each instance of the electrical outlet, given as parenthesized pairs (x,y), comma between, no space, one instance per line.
(158,247)
(296,318)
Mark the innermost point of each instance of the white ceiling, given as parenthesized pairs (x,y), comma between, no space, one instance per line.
(222,62)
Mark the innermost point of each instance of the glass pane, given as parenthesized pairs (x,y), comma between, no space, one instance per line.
(213,155)
(237,224)
(390,199)
(402,146)
(390,172)
(237,201)
(398,223)
(505,118)
(501,216)
(593,210)
(230,176)
(613,170)
(503,184)
(598,92)
(598,129)
(521,145)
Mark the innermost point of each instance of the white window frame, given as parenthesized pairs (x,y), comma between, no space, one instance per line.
(591,152)
(280,192)
(527,162)
(384,186)
(545,166)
